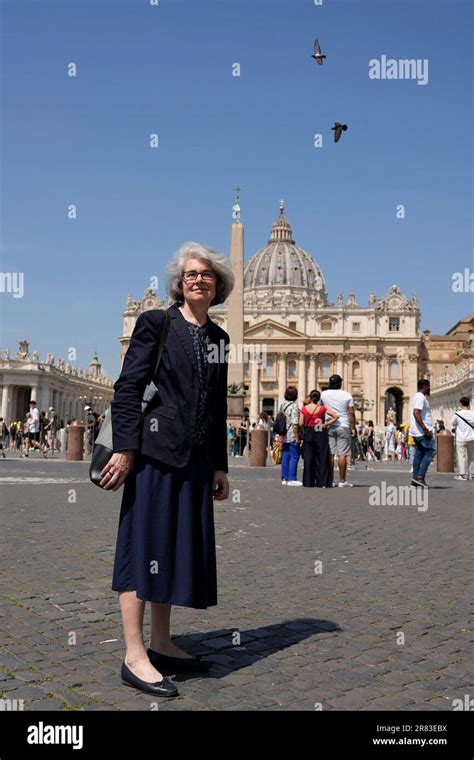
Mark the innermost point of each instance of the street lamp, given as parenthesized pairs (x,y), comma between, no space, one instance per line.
(363,405)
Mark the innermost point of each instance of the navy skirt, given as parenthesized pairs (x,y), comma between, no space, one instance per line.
(166,549)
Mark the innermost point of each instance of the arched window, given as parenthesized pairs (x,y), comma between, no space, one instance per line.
(355,370)
(292,368)
(393,369)
(326,367)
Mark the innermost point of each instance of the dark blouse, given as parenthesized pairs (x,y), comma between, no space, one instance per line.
(200,336)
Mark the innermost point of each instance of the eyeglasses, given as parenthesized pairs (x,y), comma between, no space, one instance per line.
(192,276)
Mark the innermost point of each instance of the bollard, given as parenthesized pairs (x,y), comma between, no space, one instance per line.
(258,453)
(62,440)
(75,448)
(444,451)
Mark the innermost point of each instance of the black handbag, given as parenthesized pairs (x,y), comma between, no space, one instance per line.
(103,445)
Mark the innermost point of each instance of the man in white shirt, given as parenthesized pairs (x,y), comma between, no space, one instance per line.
(422,431)
(33,435)
(341,432)
(462,425)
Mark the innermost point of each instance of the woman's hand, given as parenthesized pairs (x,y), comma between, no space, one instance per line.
(220,485)
(116,470)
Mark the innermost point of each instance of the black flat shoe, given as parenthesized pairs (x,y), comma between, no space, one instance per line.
(178,664)
(164,688)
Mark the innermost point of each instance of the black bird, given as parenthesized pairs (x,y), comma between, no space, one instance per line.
(338,129)
(317,55)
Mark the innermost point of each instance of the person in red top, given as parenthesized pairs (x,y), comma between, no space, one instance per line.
(317,469)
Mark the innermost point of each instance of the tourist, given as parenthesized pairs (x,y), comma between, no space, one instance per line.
(3,438)
(317,470)
(92,428)
(5,435)
(371,455)
(230,438)
(462,425)
(43,430)
(32,430)
(54,425)
(291,438)
(13,429)
(390,440)
(421,428)
(173,463)
(343,430)
(244,432)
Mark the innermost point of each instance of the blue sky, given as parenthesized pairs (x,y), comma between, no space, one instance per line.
(168,69)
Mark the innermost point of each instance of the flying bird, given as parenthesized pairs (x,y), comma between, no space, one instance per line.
(317,55)
(338,129)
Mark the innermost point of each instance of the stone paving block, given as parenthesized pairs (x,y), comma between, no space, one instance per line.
(45,704)
(25,692)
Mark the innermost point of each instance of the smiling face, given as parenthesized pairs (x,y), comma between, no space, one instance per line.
(201,288)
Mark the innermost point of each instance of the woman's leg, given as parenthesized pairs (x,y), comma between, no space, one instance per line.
(136,658)
(285,461)
(309,458)
(293,463)
(160,639)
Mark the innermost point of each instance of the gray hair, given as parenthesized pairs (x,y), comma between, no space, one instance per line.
(218,262)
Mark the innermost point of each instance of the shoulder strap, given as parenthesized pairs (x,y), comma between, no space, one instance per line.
(164,333)
(161,346)
(312,414)
(466,421)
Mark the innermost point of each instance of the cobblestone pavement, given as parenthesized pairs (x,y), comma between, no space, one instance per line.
(381,623)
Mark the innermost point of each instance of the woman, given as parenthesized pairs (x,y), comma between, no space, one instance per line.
(173,463)
(370,442)
(390,442)
(291,439)
(317,470)
(230,439)
(244,426)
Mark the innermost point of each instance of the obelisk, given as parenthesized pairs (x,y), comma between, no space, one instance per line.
(235,314)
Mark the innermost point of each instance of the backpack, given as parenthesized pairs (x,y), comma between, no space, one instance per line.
(279,426)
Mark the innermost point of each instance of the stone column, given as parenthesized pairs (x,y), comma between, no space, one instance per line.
(312,373)
(255,401)
(301,378)
(340,366)
(60,407)
(6,403)
(34,394)
(406,410)
(369,385)
(281,379)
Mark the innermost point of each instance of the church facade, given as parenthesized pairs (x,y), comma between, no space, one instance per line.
(284,311)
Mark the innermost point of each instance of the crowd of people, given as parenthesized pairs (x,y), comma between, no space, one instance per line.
(39,430)
(323,431)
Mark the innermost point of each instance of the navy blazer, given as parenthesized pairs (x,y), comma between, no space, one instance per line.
(166,430)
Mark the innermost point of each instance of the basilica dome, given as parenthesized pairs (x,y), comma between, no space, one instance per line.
(283,264)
